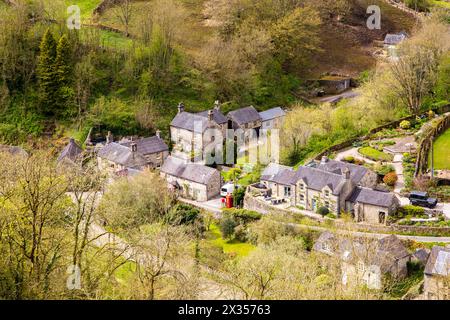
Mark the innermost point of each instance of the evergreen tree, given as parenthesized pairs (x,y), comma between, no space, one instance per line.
(64,74)
(48,85)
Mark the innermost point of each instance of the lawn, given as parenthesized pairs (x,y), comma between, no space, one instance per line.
(440,3)
(214,236)
(441,151)
(375,154)
(86,7)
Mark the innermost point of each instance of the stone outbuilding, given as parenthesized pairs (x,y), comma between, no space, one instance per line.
(272,118)
(366,261)
(154,149)
(72,153)
(437,274)
(115,158)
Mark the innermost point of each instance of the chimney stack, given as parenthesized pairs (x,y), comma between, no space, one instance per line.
(210,115)
(134,147)
(109,137)
(324,159)
(217,105)
(180,107)
(158,133)
(347,174)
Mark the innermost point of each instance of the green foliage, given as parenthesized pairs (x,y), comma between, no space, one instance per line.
(419,5)
(48,81)
(227,225)
(183,214)
(383,170)
(242,216)
(323,211)
(410,210)
(375,154)
(238,197)
(405,125)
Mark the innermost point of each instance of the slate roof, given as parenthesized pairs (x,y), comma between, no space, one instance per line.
(286,177)
(190,121)
(372,197)
(218,116)
(394,39)
(317,179)
(271,170)
(272,114)
(357,173)
(13,150)
(71,151)
(244,115)
(188,171)
(439,262)
(122,155)
(148,145)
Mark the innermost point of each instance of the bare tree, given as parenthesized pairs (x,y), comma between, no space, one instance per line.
(124,12)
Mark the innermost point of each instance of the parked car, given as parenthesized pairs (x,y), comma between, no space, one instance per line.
(419,198)
(228,188)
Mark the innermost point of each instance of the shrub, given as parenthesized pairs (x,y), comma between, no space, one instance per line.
(431,114)
(390,179)
(405,125)
(410,210)
(323,211)
(242,216)
(383,170)
(349,159)
(331,216)
(227,225)
(240,233)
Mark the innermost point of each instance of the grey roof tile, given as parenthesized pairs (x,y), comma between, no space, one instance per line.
(357,173)
(244,115)
(148,145)
(372,197)
(71,151)
(122,155)
(439,262)
(272,114)
(188,171)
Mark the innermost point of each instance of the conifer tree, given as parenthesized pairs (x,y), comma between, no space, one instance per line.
(64,74)
(48,85)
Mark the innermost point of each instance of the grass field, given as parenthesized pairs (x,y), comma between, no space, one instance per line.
(442,151)
(374,154)
(440,3)
(241,249)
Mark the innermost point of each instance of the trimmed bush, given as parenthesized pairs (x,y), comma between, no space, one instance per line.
(349,159)
(242,216)
(390,179)
(323,211)
(405,125)
(410,210)
(227,225)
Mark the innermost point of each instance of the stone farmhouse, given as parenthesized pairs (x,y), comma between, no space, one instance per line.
(244,118)
(194,181)
(336,186)
(437,274)
(366,261)
(188,131)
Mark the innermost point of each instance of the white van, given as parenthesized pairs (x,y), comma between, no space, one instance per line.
(228,189)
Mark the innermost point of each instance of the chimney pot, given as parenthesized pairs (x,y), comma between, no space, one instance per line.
(134,147)
(217,105)
(347,173)
(158,133)
(210,115)
(180,107)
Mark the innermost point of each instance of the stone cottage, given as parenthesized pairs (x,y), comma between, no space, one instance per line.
(272,118)
(191,180)
(335,84)
(154,149)
(366,261)
(437,274)
(115,158)
(391,42)
(368,205)
(331,184)
(189,134)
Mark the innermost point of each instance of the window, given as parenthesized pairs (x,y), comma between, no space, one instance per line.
(327,204)
(302,197)
(327,193)
(302,186)
(287,191)
(360,267)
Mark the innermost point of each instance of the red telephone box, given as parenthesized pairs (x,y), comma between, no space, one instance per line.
(229,201)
